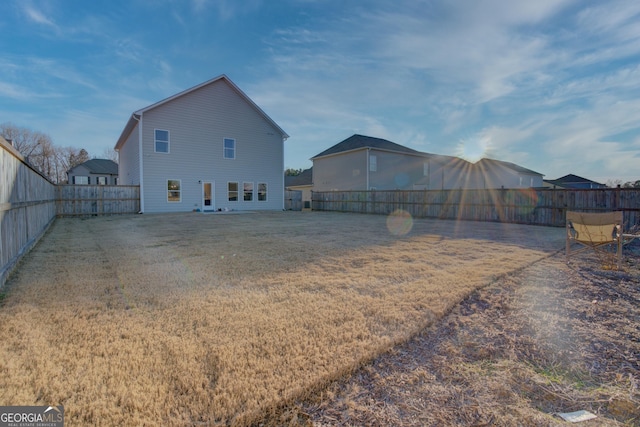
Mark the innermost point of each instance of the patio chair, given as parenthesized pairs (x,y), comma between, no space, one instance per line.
(600,232)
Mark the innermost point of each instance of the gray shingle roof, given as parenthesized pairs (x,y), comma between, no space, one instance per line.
(356,142)
(101,166)
(486,163)
(305,178)
(573,179)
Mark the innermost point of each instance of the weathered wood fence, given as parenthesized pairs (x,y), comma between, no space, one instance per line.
(524,206)
(87,200)
(27,207)
(29,203)
(292,200)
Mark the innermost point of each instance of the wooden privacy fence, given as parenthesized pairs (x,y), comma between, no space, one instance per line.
(292,200)
(86,200)
(27,207)
(523,206)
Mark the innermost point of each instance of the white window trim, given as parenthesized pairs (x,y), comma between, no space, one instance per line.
(266,192)
(373,163)
(237,191)
(156,140)
(224,149)
(252,191)
(179,191)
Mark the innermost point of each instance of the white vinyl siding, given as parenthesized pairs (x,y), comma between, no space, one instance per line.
(129,160)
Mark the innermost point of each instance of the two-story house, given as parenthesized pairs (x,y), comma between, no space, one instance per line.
(367,163)
(94,172)
(207,148)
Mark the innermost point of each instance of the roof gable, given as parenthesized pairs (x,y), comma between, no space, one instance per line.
(356,142)
(133,120)
(573,179)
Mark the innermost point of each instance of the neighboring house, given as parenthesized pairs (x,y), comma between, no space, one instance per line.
(302,182)
(489,173)
(94,172)
(366,163)
(573,181)
(207,148)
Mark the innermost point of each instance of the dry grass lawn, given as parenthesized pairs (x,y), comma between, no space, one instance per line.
(224,319)
(551,338)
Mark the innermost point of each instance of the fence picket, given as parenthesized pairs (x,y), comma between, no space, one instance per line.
(522,206)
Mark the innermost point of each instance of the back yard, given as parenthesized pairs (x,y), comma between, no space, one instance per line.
(304,318)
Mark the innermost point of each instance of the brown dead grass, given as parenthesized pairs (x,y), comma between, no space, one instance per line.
(224,319)
(550,338)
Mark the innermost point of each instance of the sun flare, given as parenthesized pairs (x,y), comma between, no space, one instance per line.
(474,148)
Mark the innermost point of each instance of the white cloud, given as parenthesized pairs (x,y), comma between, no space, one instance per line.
(37,16)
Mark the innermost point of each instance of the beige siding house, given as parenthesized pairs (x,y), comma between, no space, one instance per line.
(367,163)
(208,148)
(302,183)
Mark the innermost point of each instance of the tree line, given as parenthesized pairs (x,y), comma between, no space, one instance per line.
(619,183)
(40,152)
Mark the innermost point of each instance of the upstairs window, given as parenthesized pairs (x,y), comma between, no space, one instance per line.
(161,141)
(373,163)
(229,148)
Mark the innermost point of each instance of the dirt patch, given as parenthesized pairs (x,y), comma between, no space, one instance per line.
(550,338)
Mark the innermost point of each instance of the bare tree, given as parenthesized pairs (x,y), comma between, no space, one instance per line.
(40,152)
(24,140)
(110,154)
(632,184)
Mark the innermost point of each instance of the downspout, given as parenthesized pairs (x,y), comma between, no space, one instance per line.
(284,190)
(141,163)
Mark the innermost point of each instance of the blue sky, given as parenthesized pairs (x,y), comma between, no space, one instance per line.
(552,85)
